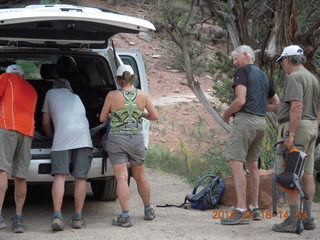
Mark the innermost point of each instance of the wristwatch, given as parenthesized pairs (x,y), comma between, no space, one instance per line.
(291,134)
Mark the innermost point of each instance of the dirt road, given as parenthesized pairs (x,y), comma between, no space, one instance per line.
(170,223)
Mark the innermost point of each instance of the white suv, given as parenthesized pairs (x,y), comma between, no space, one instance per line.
(36,36)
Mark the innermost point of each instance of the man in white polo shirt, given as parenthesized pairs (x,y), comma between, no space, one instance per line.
(71,151)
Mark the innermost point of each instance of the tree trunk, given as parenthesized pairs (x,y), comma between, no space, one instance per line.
(195,86)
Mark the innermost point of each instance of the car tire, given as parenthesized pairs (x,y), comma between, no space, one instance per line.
(104,190)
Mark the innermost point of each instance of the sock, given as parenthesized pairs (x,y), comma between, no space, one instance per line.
(17,217)
(77,216)
(307,207)
(125,213)
(147,206)
(253,207)
(241,209)
(293,211)
(57,214)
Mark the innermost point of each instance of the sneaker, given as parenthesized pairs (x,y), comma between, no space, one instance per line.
(17,225)
(256,214)
(57,224)
(237,217)
(122,221)
(2,223)
(309,224)
(289,225)
(78,223)
(149,213)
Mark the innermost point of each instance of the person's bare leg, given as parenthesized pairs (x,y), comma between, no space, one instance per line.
(80,192)
(20,192)
(58,191)
(240,182)
(123,190)
(139,175)
(3,187)
(254,182)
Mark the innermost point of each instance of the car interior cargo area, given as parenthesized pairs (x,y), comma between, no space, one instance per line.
(91,80)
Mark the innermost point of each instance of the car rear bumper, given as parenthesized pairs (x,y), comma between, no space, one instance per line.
(40,167)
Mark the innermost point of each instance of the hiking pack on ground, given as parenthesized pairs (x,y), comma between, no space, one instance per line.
(207,198)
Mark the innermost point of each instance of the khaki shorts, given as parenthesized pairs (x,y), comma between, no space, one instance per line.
(74,161)
(246,139)
(15,153)
(126,148)
(306,135)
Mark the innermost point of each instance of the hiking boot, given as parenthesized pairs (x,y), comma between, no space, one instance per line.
(255,214)
(122,221)
(289,225)
(57,224)
(237,217)
(149,213)
(309,224)
(2,223)
(17,225)
(78,223)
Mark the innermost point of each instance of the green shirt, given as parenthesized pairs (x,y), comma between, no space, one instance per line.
(303,86)
(129,118)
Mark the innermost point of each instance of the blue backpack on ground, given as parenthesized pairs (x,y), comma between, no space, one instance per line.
(207,198)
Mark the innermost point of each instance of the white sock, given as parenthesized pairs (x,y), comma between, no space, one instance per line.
(241,209)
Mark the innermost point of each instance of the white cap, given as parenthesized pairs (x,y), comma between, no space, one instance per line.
(292,50)
(124,68)
(16,69)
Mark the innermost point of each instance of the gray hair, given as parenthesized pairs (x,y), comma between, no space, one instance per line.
(62,83)
(297,59)
(243,49)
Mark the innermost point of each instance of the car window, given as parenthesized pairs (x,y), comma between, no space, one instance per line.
(132,62)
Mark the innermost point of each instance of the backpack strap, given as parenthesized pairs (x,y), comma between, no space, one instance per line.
(198,183)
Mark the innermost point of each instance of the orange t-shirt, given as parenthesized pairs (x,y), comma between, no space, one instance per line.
(17,104)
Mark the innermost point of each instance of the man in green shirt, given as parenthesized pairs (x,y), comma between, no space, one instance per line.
(298,112)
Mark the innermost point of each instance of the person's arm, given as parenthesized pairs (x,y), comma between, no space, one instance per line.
(318,116)
(46,124)
(237,104)
(295,117)
(151,113)
(104,115)
(273,103)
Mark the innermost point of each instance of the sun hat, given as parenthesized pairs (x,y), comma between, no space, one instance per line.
(124,68)
(16,69)
(292,50)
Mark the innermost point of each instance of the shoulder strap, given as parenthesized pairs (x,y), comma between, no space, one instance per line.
(198,183)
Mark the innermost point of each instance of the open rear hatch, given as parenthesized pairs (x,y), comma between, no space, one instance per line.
(62,25)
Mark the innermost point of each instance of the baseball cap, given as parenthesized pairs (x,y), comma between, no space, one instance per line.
(124,68)
(292,50)
(16,69)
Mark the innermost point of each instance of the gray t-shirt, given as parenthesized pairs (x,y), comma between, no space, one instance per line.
(303,86)
(71,127)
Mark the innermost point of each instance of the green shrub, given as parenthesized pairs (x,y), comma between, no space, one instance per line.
(186,163)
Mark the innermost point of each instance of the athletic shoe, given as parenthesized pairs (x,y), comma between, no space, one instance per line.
(57,224)
(2,223)
(149,213)
(122,221)
(256,214)
(78,223)
(17,225)
(309,224)
(289,225)
(237,217)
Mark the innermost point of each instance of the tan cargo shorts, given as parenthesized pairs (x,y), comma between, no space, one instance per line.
(306,135)
(246,139)
(15,153)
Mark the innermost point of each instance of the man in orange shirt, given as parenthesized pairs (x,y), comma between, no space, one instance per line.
(17,106)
